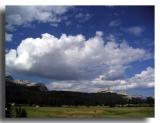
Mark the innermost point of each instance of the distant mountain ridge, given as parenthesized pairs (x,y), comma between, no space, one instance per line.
(34,85)
(30,93)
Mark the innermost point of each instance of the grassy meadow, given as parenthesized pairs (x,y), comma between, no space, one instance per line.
(89,112)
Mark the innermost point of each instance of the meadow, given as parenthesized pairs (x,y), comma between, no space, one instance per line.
(89,112)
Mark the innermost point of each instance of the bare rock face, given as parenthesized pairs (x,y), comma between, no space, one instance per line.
(26,83)
(32,85)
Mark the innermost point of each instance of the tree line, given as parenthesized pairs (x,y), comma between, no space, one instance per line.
(20,94)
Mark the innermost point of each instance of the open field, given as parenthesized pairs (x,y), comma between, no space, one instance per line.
(89,112)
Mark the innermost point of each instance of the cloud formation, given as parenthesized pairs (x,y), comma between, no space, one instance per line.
(8,37)
(114,23)
(73,57)
(145,79)
(24,15)
(74,62)
(135,30)
(82,17)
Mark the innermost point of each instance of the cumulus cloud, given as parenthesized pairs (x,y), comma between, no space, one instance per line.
(145,79)
(135,30)
(73,57)
(8,37)
(24,15)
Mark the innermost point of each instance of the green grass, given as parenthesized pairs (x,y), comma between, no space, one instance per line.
(89,112)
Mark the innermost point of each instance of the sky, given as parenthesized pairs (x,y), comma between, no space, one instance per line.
(82,48)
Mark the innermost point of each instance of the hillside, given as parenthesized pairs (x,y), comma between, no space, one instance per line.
(24,92)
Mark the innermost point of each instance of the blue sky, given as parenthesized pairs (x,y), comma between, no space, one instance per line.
(126,58)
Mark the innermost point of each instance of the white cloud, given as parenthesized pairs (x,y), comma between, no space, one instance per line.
(73,57)
(81,86)
(145,79)
(10,57)
(8,37)
(114,23)
(111,37)
(135,30)
(99,33)
(24,15)
(83,17)
(6,50)
(79,15)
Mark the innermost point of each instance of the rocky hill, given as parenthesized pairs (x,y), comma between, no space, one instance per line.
(31,93)
(28,84)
